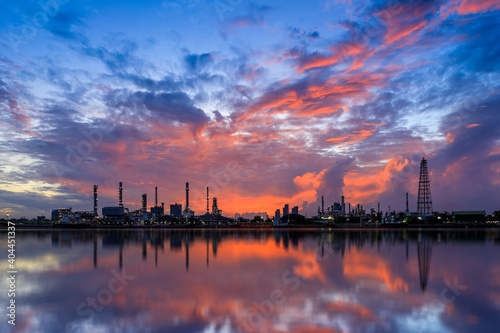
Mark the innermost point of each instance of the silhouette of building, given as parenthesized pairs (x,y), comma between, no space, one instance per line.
(176,210)
(295,210)
(286,210)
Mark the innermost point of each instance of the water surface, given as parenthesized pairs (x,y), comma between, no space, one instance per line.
(256,281)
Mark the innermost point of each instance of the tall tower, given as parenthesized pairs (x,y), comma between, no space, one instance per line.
(208,208)
(424,204)
(144,203)
(156,196)
(407,209)
(95,201)
(187,196)
(120,195)
(215,207)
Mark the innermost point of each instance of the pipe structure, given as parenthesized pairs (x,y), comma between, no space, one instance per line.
(187,196)
(144,203)
(95,201)
(208,199)
(120,195)
(407,210)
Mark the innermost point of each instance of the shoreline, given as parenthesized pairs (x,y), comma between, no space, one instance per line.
(257,227)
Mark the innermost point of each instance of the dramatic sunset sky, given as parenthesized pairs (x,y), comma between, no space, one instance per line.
(266,102)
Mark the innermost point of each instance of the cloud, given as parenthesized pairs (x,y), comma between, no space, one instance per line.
(67,24)
(197,62)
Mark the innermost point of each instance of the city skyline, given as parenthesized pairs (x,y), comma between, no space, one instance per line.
(265,103)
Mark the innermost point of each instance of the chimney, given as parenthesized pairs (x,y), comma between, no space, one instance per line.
(208,199)
(95,201)
(120,195)
(407,210)
(187,196)
(156,196)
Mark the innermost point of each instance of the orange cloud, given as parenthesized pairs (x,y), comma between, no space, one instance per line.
(396,32)
(477,6)
(308,180)
(374,124)
(355,137)
(472,125)
(366,184)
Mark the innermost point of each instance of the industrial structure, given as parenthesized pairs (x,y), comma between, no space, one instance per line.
(120,195)
(215,207)
(188,213)
(95,202)
(176,210)
(424,203)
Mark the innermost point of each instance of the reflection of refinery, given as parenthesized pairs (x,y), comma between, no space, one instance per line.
(181,242)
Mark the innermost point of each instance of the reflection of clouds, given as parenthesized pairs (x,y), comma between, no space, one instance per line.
(364,290)
(424,319)
(359,266)
(38,264)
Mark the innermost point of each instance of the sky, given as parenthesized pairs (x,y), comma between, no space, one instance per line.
(267,103)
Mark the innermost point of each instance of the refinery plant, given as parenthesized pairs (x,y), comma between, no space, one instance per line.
(155,215)
(338,213)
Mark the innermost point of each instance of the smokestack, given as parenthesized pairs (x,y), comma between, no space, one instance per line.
(144,203)
(322,204)
(378,209)
(349,208)
(407,210)
(187,196)
(208,198)
(156,196)
(120,195)
(343,206)
(95,201)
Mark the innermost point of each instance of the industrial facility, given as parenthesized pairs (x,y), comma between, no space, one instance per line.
(120,215)
(338,212)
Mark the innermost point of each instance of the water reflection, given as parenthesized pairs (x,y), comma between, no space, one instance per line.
(257,281)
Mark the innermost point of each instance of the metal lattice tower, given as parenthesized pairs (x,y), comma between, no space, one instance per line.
(424,204)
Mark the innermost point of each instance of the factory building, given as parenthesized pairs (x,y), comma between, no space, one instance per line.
(62,213)
(113,214)
(176,210)
(116,215)
(468,216)
(286,210)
